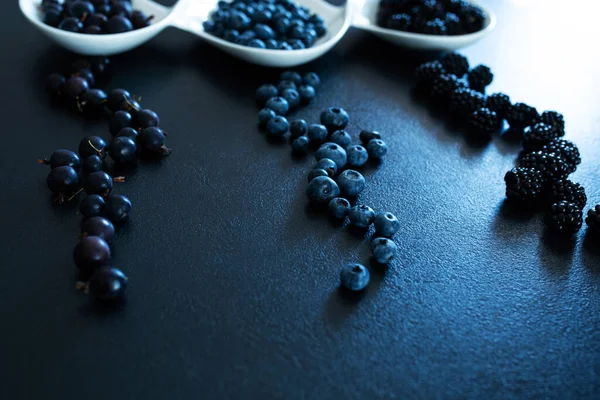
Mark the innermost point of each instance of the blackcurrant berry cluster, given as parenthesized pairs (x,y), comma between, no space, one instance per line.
(266,24)
(335,182)
(93,17)
(135,132)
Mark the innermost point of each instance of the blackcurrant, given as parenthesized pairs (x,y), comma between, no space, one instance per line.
(54,84)
(63,180)
(92,145)
(146,118)
(152,140)
(140,19)
(131,106)
(122,8)
(118,24)
(96,19)
(91,252)
(91,206)
(98,183)
(116,97)
(122,149)
(74,87)
(128,132)
(92,30)
(99,64)
(117,208)
(52,16)
(71,25)
(61,158)
(98,226)
(86,74)
(78,9)
(91,164)
(107,283)
(118,121)
(92,102)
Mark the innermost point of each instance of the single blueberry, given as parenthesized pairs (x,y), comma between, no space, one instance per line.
(245,37)
(377,148)
(366,136)
(386,224)
(335,118)
(328,165)
(238,20)
(312,79)
(265,92)
(316,172)
(298,127)
(264,32)
(219,29)
(307,93)
(339,207)
(300,144)
(342,138)
(309,37)
(297,44)
(277,126)
(296,22)
(292,97)
(279,105)
(296,32)
(271,44)
(284,46)
(265,116)
(262,16)
(209,26)
(285,84)
(351,183)
(361,216)
(334,152)
(316,19)
(357,155)
(321,30)
(383,250)
(257,43)
(291,76)
(354,277)
(231,35)
(282,25)
(322,189)
(317,133)
(282,13)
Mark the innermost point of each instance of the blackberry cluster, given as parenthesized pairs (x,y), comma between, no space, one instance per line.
(480,77)
(500,103)
(564,218)
(443,86)
(551,166)
(465,101)
(455,63)
(484,122)
(431,17)
(427,72)
(567,151)
(524,185)
(521,115)
(555,120)
(566,190)
(537,136)
(593,219)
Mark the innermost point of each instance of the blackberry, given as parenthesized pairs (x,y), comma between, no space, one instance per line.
(435,27)
(520,115)
(500,103)
(538,135)
(426,73)
(453,26)
(564,217)
(523,185)
(566,190)
(593,218)
(480,77)
(484,121)
(472,18)
(399,22)
(555,120)
(443,86)
(465,101)
(455,63)
(550,165)
(567,151)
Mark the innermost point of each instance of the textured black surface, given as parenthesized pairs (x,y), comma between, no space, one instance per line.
(234,281)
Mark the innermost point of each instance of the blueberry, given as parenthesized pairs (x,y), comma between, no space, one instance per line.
(321,30)
(317,133)
(285,84)
(377,148)
(322,189)
(292,97)
(307,93)
(312,79)
(357,155)
(316,19)
(386,224)
(264,32)
(361,216)
(257,43)
(342,138)
(284,46)
(231,35)
(351,183)
(298,127)
(296,32)
(297,44)
(279,105)
(219,29)
(77,9)
(334,152)
(245,37)
(291,76)
(339,207)
(271,44)
(209,26)
(237,20)
(366,136)
(335,118)
(296,22)
(283,13)
(262,16)
(354,277)
(309,37)
(300,144)
(282,25)
(277,126)
(383,250)
(265,92)
(265,116)
(316,172)
(328,165)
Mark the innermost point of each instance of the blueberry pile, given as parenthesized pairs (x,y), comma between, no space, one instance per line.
(135,132)
(334,183)
(94,17)
(266,24)
(431,17)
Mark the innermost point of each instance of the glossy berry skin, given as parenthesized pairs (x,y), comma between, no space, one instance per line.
(96,19)
(118,24)
(63,157)
(335,118)
(91,252)
(480,77)
(317,133)
(500,103)
(334,152)
(146,118)
(593,219)
(140,19)
(550,165)
(342,138)
(307,93)
(366,136)
(524,185)
(278,126)
(117,208)
(427,72)
(257,43)
(316,172)
(298,127)
(121,8)
(91,206)
(71,25)
(98,226)
(131,106)
(357,155)
(116,97)
(292,97)
(283,85)
(567,151)
(92,30)
(383,250)
(386,224)
(129,133)
(377,148)
(52,16)
(354,277)
(300,144)
(351,183)
(107,284)
(564,218)
(98,183)
(339,207)
(464,101)
(86,74)
(279,105)
(92,145)
(77,9)
(566,190)
(54,84)
(537,136)
(328,165)
(265,115)
(122,149)
(312,79)
(520,115)
(74,87)
(265,92)
(484,122)
(361,216)
(152,140)
(291,76)
(63,180)
(91,164)
(322,189)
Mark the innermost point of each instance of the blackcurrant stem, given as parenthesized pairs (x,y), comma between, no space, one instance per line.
(139,98)
(44,161)
(128,102)
(83,286)
(79,105)
(165,133)
(94,147)
(165,149)
(75,194)
(103,101)
(119,179)
(84,17)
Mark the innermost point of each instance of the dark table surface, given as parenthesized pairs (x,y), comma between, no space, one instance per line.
(234,281)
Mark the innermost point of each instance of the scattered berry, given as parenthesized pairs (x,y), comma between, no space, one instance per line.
(107,284)
(377,148)
(366,136)
(351,183)
(307,93)
(91,206)
(484,122)
(520,115)
(466,101)
(62,157)
(300,144)
(298,128)
(334,152)
(593,218)
(328,165)
(566,190)
(342,138)
(317,133)
(339,207)
(537,136)
(383,250)
(316,172)
(551,166)
(122,149)
(312,79)
(322,189)
(98,226)
(555,120)
(265,115)
(335,118)
(524,185)
(564,218)
(146,118)
(152,140)
(361,216)
(63,180)
(354,277)
(279,105)
(500,103)
(117,208)
(91,252)
(357,155)
(292,96)
(92,146)
(278,126)
(567,151)
(386,224)
(292,76)
(480,77)
(455,63)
